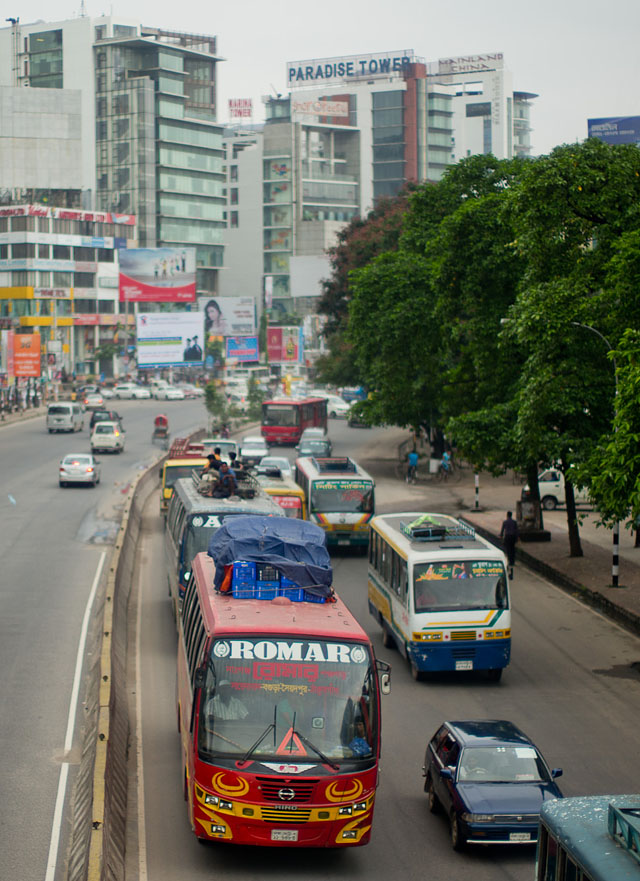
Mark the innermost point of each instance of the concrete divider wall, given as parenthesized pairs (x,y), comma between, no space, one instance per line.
(98,845)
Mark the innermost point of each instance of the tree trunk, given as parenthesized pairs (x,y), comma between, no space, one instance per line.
(575,547)
(534,489)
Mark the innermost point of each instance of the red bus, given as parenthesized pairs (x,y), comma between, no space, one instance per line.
(279,717)
(284,420)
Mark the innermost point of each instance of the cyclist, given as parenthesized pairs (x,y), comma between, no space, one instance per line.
(412,466)
(446,465)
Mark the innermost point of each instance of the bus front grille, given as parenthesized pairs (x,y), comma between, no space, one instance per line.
(462,634)
(277,815)
(270,789)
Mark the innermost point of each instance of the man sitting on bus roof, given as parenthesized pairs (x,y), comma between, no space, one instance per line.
(225,485)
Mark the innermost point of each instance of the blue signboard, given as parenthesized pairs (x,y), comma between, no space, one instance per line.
(243,348)
(616,129)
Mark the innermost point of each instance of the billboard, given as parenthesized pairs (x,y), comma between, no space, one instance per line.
(170,339)
(26,354)
(240,108)
(243,348)
(157,275)
(285,345)
(228,316)
(615,129)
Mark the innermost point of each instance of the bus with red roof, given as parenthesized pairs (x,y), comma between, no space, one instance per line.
(284,419)
(278,699)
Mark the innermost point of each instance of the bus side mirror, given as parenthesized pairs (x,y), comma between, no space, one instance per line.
(199,677)
(160,474)
(557,772)
(446,773)
(385,683)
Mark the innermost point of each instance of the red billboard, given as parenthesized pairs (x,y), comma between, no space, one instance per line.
(157,275)
(284,345)
(26,354)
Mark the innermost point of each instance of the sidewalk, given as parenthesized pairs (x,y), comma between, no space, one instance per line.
(29,413)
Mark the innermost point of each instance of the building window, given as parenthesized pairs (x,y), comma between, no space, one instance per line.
(23,250)
(61,252)
(44,252)
(62,279)
(105,255)
(234,219)
(100,32)
(84,280)
(23,224)
(233,172)
(106,307)
(233,195)
(120,104)
(84,254)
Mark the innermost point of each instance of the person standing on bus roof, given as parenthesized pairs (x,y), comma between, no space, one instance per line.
(509,536)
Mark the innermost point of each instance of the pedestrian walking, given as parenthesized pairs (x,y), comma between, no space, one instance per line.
(509,536)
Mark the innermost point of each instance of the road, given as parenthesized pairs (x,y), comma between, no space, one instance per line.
(570,686)
(53,546)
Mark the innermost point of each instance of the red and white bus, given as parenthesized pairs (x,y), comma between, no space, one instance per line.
(279,717)
(284,419)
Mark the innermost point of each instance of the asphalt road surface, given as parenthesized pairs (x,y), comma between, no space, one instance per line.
(53,547)
(570,686)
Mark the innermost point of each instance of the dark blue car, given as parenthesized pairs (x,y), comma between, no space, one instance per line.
(490,780)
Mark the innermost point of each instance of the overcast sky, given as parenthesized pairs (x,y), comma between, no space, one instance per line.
(580,56)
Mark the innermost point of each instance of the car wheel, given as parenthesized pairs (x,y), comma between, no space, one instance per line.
(457,838)
(332,415)
(62,483)
(494,675)
(50,431)
(549,503)
(434,804)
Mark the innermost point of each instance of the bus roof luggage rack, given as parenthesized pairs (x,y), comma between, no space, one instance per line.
(428,529)
(183,448)
(335,463)
(624,828)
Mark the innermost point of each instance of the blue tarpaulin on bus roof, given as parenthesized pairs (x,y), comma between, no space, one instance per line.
(296,548)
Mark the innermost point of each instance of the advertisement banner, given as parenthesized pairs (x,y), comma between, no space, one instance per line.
(170,338)
(6,352)
(228,316)
(615,129)
(157,275)
(26,354)
(243,348)
(240,108)
(285,345)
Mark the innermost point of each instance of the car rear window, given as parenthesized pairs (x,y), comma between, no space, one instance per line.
(104,429)
(77,460)
(59,409)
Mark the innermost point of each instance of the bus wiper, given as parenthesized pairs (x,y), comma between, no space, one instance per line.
(270,727)
(318,752)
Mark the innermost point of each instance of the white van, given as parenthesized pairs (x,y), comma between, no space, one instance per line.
(551,486)
(64,416)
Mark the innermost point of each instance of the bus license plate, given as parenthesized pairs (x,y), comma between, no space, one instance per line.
(520,836)
(464,665)
(343,541)
(284,834)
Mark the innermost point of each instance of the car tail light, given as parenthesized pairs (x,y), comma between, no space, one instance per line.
(89,469)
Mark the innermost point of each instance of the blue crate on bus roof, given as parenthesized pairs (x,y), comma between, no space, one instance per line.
(313,597)
(266,572)
(244,571)
(291,589)
(267,590)
(244,590)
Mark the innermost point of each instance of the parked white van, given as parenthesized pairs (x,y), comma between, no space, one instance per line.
(64,416)
(551,486)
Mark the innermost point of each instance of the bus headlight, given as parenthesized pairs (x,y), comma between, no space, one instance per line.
(431,636)
(345,812)
(361,806)
(226,805)
(218,830)
(497,634)
(211,799)
(349,833)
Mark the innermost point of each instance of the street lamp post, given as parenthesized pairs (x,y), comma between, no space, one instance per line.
(615,565)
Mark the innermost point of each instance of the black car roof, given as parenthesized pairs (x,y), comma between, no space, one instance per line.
(488,732)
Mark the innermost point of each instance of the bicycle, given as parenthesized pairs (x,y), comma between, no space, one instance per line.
(411,473)
(445,470)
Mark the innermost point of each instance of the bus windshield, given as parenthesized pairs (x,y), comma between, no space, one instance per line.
(471,584)
(342,496)
(281,415)
(198,533)
(176,472)
(310,702)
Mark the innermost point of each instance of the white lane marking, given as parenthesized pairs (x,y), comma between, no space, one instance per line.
(71,718)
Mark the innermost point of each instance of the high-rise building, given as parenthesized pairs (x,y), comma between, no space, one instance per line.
(151,145)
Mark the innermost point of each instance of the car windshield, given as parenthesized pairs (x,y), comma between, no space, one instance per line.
(502,764)
(342,496)
(309,701)
(468,584)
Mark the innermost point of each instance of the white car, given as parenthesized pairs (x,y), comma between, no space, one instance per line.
(107,393)
(253,448)
(169,393)
(225,446)
(131,390)
(337,407)
(79,468)
(280,462)
(93,401)
(191,391)
(107,436)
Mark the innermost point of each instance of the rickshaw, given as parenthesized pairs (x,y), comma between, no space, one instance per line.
(160,434)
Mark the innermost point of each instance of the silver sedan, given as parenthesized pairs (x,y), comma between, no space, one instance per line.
(79,468)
